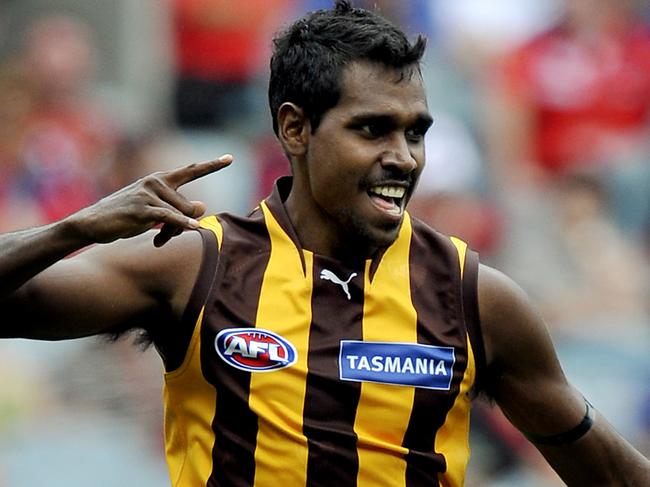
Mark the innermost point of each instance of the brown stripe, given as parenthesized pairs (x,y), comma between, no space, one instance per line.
(174,351)
(330,404)
(472,318)
(434,262)
(241,267)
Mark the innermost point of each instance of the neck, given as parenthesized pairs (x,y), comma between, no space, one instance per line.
(320,236)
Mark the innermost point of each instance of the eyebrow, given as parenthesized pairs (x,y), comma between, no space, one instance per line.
(422,121)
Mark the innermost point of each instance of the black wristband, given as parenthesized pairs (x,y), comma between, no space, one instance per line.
(567,437)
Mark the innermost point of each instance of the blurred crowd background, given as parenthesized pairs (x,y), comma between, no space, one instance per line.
(539,157)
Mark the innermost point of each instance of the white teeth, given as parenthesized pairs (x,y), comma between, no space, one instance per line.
(389,191)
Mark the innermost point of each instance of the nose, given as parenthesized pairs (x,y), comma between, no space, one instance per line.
(398,155)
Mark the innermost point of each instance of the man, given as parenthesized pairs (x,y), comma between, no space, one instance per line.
(327,338)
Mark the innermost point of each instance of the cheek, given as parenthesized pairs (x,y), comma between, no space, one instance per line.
(419,154)
(336,165)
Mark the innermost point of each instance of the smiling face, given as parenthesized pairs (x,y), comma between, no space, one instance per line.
(360,167)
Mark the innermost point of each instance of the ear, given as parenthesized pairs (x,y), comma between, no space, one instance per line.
(293,129)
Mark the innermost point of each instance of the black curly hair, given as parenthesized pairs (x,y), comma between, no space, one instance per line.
(310,55)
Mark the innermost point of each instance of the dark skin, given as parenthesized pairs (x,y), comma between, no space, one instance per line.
(135,277)
(372,137)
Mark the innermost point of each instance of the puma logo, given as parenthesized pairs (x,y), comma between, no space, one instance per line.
(330,276)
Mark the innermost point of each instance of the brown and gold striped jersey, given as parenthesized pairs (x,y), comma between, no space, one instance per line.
(306,371)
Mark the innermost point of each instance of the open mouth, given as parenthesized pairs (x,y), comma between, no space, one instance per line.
(388,198)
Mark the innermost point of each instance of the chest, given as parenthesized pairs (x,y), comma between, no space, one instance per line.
(331,328)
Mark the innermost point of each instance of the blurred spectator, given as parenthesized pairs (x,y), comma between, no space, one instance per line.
(596,304)
(16,103)
(567,131)
(450,194)
(62,140)
(117,379)
(475,32)
(411,15)
(132,160)
(220,48)
(568,140)
(578,96)
(599,267)
(57,154)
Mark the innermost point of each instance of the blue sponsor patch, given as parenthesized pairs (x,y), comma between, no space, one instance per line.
(403,364)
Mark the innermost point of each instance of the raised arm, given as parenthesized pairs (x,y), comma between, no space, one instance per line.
(128,282)
(526,380)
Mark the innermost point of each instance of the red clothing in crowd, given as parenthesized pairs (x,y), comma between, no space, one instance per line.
(589,98)
(222,40)
(64,154)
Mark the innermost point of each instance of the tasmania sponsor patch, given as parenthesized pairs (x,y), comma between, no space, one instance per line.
(404,364)
(254,349)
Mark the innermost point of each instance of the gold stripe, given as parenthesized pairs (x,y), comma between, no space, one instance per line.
(277,397)
(461,247)
(189,409)
(452,439)
(211,223)
(384,410)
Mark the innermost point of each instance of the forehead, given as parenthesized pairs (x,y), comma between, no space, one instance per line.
(372,87)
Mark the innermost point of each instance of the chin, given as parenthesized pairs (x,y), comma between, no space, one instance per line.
(373,237)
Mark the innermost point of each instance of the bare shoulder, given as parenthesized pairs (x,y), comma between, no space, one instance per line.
(167,272)
(524,373)
(143,253)
(523,367)
(508,317)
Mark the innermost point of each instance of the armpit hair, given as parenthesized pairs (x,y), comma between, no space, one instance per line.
(140,337)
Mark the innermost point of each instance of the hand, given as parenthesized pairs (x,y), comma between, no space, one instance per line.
(146,203)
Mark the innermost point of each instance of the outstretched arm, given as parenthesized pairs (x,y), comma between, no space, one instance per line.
(526,380)
(47,296)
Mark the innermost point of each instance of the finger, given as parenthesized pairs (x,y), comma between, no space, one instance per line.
(184,175)
(166,233)
(199,209)
(178,201)
(162,212)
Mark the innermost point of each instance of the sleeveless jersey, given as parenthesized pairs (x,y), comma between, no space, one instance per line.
(306,371)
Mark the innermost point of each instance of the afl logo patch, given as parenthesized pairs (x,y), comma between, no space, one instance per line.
(254,349)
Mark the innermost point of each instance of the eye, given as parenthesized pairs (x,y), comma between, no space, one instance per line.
(374,130)
(416,134)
